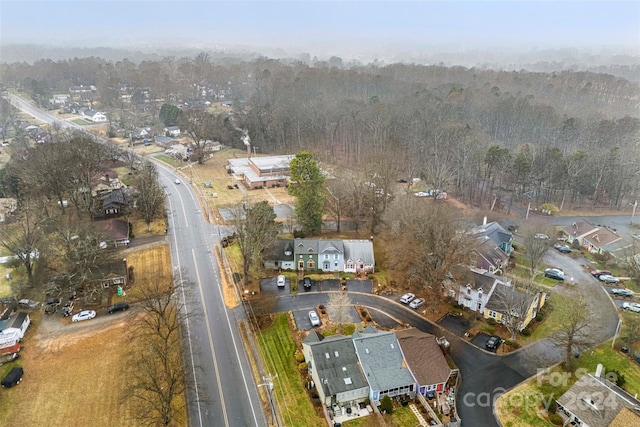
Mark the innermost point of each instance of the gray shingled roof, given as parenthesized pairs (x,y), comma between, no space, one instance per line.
(359,250)
(382,360)
(336,364)
(494,231)
(305,246)
(596,401)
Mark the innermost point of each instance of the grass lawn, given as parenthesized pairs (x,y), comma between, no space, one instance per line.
(292,400)
(550,322)
(148,264)
(81,122)
(520,406)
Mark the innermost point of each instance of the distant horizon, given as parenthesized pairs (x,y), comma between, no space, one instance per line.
(342,28)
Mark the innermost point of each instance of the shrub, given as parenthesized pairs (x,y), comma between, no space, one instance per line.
(386,405)
(363,313)
(553,406)
(539,317)
(368,319)
(491,321)
(302,367)
(298,234)
(556,419)
(321,307)
(299,357)
(526,332)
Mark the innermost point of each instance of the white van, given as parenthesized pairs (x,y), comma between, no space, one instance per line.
(281,281)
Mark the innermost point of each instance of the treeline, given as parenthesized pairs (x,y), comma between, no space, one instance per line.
(565,136)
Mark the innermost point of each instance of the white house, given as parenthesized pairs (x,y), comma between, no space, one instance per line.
(172,131)
(477,288)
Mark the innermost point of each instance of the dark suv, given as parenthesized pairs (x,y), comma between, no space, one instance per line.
(119,306)
(493,343)
(306,283)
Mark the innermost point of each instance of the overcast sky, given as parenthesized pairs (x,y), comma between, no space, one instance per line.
(309,25)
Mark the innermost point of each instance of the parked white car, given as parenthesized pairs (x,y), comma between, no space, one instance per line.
(631,306)
(407,298)
(417,303)
(541,236)
(314,318)
(281,281)
(83,315)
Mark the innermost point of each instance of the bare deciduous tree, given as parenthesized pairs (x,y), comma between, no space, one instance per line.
(535,242)
(150,198)
(516,302)
(574,332)
(339,307)
(157,385)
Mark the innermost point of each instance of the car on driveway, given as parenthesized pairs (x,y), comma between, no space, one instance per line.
(565,249)
(281,281)
(621,292)
(119,306)
(417,303)
(598,273)
(631,306)
(606,278)
(493,343)
(314,318)
(407,298)
(83,315)
(541,236)
(306,283)
(554,273)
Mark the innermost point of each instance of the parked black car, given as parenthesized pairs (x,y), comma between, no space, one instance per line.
(306,283)
(13,377)
(119,306)
(493,343)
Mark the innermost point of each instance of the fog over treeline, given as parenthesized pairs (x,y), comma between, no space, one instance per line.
(615,61)
(545,136)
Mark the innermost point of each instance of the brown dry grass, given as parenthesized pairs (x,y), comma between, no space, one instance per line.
(76,377)
(78,372)
(148,264)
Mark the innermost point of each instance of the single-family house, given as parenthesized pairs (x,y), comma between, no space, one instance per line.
(94,116)
(514,306)
(9,342)
(426,361)
(113,203)
(305,253)
(595,238)
(279,256)
(502,238)
(333,364)
(593,401)
(476,286)
(383,364)
(173,131)
(166,141)
(489,256)
(140,133)
(116,232)
(82,89)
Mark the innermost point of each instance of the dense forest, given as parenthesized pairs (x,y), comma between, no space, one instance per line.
(560,137)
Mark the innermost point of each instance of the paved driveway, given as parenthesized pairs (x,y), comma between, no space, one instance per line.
(456,324)
(360,286)
(328,285)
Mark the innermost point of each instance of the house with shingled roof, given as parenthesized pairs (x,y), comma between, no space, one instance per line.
(596,402)
(426,361)
(333,364)
(383,364)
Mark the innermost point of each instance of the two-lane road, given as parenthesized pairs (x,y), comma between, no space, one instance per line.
(224,392)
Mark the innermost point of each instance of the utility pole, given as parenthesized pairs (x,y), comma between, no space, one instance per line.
(268,382)
(635,205)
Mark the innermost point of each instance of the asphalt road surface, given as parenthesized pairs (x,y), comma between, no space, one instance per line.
(224,393)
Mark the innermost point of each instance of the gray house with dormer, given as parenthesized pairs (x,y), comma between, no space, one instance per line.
(334,367)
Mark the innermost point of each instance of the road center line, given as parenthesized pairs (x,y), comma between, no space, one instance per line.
(213,352)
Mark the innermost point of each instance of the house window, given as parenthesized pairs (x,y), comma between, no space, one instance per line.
(310,264)
(335,256)
(326,256)
(468,290)
(492,314)
(350,265)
